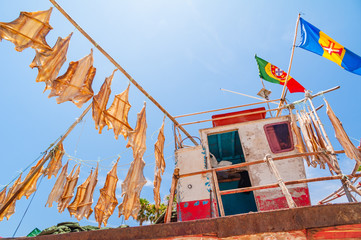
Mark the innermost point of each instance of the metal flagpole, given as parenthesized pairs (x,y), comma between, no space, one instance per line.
(283,95)
(122,70)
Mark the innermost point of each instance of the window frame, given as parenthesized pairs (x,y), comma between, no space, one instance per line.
(270,139)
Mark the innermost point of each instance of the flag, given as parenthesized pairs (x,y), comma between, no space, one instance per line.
(274,74)
(314,40)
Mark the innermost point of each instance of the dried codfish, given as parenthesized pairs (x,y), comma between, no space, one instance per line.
(80,193)
(300,146)
(28,30)
(341,135)
(137,137)
(117,114)
(135,180)
(54,164)
(2,197)
(100,102)
(68,193)
(75,84)
(10,210)
(58,188)
(50,62)
(84,208)
(159,164)
(107,199)
(30,187)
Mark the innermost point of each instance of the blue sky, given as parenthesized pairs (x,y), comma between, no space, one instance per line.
(182,53)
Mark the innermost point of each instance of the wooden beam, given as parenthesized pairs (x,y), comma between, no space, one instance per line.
(222,109)
(239,165)
(249,189)
(274,170)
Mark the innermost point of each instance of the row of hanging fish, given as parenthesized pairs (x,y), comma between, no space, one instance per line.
(313,140)
(30,30)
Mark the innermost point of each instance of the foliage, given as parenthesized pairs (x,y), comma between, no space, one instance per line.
(148,211)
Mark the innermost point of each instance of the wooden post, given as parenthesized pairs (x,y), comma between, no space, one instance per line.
(219,197)
(268,159)
(175,178)
(136,84)
(283,95)
(26,181)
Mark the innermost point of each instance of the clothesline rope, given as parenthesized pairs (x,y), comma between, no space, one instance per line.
(87,163)
(22,171)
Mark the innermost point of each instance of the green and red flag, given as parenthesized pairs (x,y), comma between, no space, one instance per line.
(273,74)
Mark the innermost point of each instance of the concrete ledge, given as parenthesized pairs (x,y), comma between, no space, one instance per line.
(252,223)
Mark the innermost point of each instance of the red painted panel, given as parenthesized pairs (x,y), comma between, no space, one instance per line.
(193,210)
(239,119)
(265,202)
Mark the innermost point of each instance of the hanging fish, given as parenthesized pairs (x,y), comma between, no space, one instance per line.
(80,193)
(58,187)
(300,145)
(54,164)
(117,114)
(30,187)
(50,62)
(75,84)
(84,208)
(28,30)
(137,137)
(10,209)
(341,135)
(107,200)
(68,193)
(3,197)
(100,102)
(135,180)
(159,164)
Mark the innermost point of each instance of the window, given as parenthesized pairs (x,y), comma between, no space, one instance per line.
(279,137)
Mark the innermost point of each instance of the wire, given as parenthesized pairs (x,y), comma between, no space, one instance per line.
(42,154)
(27,208)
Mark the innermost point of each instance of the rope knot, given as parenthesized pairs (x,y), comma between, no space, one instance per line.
(267,157)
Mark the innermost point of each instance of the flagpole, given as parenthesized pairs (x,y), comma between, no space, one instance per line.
(283,95)
(136,84)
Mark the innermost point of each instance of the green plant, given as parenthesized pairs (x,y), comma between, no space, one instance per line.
(148,211)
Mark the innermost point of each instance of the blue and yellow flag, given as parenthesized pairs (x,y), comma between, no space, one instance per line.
(318,42)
